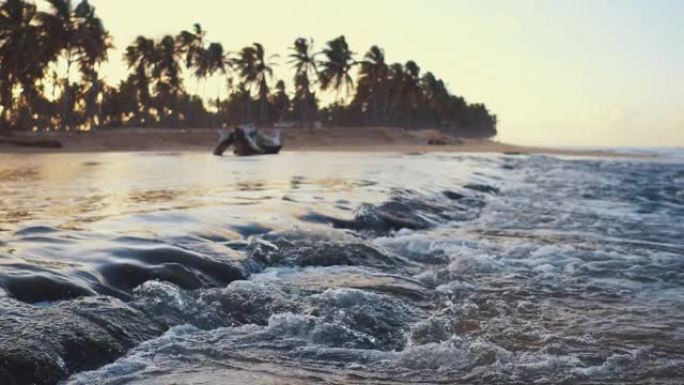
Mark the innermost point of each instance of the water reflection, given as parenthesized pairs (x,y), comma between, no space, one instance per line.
(77,190)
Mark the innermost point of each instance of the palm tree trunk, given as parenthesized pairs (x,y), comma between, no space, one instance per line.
(217,115)
(175,117)
(376,106)
(6,101)
(66,114)
(215,119)
(385,103)
(308,112)
(263,102)
(302,113)
(98,106)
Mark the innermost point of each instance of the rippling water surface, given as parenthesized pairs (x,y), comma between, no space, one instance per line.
(340,268)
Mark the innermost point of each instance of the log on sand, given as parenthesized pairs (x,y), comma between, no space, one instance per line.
(31,143)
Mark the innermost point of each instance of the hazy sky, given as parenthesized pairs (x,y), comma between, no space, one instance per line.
(570,72)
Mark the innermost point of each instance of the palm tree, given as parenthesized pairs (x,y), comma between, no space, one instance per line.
(436,96)
(141,57)
(166,73)
(81,38)
(30,40)
(94,42)
(304,62)
(406,94)
(395,86)
(204,61)
(62,26)
(120,103)
(411,92)
(16,17)
(336,66)
(24,53)
(374,71)
(91,90)
(255,70)
(281,101)
(213,61)
(191,44)
(242,95)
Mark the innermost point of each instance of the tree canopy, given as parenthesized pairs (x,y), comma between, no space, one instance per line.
(367,89)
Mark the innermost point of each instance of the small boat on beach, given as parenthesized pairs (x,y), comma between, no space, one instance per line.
(247,141)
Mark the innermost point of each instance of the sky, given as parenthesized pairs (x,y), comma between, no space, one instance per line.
(556,72)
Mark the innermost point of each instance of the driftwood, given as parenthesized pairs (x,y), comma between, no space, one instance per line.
(41,143)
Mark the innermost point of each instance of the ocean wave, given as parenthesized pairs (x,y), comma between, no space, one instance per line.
(530,269)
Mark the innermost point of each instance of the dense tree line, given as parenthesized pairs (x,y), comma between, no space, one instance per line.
(41,50)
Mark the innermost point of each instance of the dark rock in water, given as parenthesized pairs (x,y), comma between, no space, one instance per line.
(431,330)
(168,305)
(453,195)
(389,216)
(247,303)
(44,345)
(337,335)
(403,212)
(321,254)
(38,288)
(406,210)
(309,281)
(241,302)
(376,315)
(119,320)
(126,276)
(473,202)
(184,268)
(483,188)
(118,276)
(249,230)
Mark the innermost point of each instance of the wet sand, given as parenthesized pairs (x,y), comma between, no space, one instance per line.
(365,139)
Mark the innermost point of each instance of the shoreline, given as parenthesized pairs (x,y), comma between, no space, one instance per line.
(333,139)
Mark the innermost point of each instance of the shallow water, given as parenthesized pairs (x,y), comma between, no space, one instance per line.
(159,268)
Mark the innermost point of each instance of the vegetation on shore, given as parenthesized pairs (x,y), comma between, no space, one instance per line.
(40,52)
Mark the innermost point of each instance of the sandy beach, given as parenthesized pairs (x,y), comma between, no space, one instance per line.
(373,139)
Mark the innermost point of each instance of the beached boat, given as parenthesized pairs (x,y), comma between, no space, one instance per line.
(247,141)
